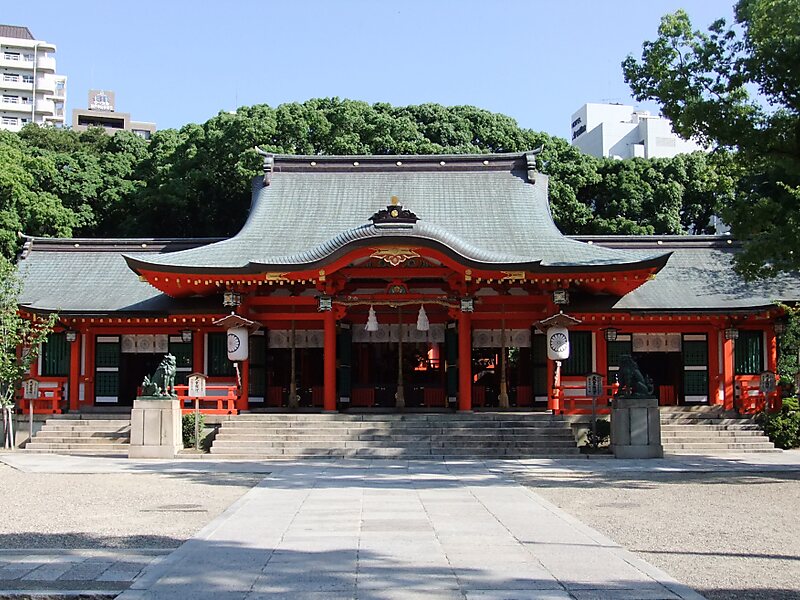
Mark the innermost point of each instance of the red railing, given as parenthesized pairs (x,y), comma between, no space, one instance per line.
(47,403)
(571,399)
(752,400)
(222,404)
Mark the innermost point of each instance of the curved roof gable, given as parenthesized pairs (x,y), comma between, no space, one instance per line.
(482,209)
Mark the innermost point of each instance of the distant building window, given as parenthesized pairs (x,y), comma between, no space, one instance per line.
(27,100)
(24,120)
(10,77)
(27,79)
(28,57)
(9,120)
(10,99)
(142,133)
(11,55)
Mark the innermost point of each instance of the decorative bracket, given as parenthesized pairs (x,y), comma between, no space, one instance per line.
(269,165)
(394,215)
(530,158)
(394,255)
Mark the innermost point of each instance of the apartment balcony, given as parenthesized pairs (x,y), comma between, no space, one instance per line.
(24,65)
(47,63)
(14,128)
(45,107)
(45,85)
(16,107)
(16,86)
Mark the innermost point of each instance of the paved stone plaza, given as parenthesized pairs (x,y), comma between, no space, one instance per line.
(382,529)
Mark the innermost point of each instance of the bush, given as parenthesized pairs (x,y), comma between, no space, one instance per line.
(783,428)
(603,433)
(188,429)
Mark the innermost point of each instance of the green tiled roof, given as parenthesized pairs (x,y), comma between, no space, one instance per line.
(698,276)
(484,210)
(91,277)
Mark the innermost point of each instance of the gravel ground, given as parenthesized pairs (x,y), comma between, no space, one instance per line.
(728,535)
(111,510)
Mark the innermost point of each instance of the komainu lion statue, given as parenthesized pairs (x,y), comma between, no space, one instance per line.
(162,383)
(632,384)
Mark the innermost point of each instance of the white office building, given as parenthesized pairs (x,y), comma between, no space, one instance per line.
(620,131)
(30,89)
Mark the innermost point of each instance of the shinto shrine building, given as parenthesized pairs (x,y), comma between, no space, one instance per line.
(438,275)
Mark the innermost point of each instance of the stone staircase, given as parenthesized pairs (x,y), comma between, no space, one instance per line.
(82,434)
(710,430)
(408,436)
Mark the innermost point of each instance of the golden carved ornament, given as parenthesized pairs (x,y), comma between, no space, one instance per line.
(394,255)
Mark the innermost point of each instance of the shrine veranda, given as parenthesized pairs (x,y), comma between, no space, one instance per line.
(469,238)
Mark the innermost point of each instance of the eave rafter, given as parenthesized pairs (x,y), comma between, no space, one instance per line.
(399,265)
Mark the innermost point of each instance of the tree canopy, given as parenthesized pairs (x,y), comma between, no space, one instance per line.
(737,87)
(196,180)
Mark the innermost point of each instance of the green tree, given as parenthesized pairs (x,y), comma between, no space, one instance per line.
(198,178)
(20,341)
(738,88)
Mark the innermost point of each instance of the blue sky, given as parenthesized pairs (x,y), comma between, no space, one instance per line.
(182,61)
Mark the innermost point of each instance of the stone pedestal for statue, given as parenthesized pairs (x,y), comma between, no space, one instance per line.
(156,428)
(636,428)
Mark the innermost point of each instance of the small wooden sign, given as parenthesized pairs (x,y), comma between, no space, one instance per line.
(30,389)
(594,385)
(197,385)
(767,382)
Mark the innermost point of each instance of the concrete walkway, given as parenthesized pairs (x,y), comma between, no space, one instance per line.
(406,530)
(372,529)
(98,572)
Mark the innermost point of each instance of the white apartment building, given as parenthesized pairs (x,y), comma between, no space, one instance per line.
(30,89)
(620,131)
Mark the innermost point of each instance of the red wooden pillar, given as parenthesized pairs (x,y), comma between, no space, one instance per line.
(88,377)
(727,373)
(464,361)
(329,379)
(772,351)
(552,401)
(198,356)
(713,368)
(74,373)
(601,354)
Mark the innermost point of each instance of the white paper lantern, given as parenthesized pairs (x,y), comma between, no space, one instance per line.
(238,344)
(558,343)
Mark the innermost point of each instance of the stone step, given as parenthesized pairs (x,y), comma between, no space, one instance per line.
(84,430)
(65,423)
(706,421)
(61,435)
(367,417)
(760,439)
(408,429)
(123,447)
(692,408)
(710,428)
(57,439)
(707,451)
(742,446)
(225,433)
(387,444)
(390,453)
(713,433)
